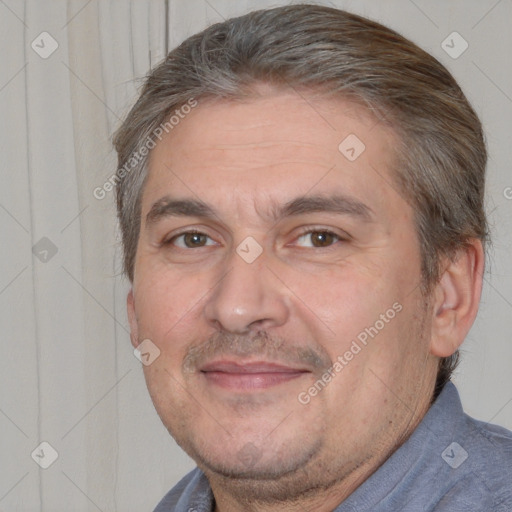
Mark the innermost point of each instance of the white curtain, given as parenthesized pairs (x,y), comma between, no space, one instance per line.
(68,372)
(70,70)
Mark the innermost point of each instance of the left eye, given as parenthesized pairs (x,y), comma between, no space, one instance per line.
(318,239)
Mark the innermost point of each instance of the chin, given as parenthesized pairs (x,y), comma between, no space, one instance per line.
(272,478)
(247,459)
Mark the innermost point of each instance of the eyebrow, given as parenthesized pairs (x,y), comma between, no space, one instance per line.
(339,204)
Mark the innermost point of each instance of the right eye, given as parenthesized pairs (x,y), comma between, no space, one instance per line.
(190,240)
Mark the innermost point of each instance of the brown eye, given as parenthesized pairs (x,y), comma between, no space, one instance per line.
(322,238)
(318,239)
(191,240)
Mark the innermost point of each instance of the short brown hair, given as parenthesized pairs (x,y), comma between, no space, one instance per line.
(442,153)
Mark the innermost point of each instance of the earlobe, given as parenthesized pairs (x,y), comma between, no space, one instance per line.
(132,319)
(456,299)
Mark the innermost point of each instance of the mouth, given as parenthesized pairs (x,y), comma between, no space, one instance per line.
(248,376)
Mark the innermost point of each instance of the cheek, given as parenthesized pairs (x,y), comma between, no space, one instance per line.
(167,390)
(166,302)
(345,300)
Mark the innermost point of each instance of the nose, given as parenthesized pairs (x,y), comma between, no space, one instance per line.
(247,297)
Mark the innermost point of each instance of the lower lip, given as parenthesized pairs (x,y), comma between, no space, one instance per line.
(250,381)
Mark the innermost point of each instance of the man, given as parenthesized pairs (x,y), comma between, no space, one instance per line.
(301,203)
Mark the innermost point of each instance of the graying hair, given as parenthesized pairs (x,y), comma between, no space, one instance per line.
(442,155)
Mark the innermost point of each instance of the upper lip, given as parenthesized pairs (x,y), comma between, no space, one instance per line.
(230,366)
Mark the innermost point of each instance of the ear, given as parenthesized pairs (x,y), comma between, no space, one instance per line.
(456,299)
(132,319)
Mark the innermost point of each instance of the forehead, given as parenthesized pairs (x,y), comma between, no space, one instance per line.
(272,147)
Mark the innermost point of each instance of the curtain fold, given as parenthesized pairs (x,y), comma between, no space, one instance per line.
(66,81)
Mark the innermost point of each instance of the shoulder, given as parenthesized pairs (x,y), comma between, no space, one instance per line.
(462,464)
(488,450)
(478,456)
(192,492)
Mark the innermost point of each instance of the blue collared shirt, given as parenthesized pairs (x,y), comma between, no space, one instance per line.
(450,463)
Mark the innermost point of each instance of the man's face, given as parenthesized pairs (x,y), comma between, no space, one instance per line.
(268,253)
